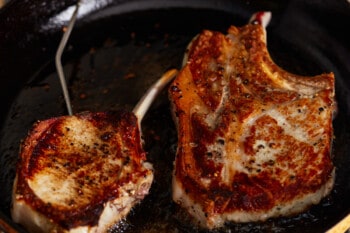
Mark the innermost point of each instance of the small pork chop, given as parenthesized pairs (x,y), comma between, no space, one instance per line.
(254,141)
(83,173)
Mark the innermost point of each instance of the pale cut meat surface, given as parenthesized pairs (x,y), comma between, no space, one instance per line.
(80,173)
(254,141)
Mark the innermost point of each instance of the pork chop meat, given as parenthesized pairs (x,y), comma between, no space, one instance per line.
(80,173)
(254,141)
(83,173)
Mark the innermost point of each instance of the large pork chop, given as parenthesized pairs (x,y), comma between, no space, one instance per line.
(254,141)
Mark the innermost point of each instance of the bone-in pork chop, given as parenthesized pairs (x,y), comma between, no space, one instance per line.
(254,141)
(83,173)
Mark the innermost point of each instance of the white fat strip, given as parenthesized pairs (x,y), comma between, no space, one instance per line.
(284,85)
(277,79)
(233,162)
(212,118)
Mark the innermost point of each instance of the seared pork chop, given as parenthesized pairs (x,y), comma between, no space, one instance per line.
(83,173)
(254,141)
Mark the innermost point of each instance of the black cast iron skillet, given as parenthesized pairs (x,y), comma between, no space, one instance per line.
(118,48)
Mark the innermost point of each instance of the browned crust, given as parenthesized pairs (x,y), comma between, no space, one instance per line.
(200,85)
(42,148)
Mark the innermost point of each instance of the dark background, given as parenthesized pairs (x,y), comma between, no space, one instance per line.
(118,48)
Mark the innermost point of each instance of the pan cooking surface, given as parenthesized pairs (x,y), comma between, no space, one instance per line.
(110,62)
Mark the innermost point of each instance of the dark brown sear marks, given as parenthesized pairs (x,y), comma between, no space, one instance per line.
(94,164)
(230,81)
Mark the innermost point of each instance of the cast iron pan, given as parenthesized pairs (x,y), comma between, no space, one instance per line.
(118,48)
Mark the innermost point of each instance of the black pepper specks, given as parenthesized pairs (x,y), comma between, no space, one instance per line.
(320,110)
(247,95)
(221,141)
(175,88)
(270,162)
(106,136)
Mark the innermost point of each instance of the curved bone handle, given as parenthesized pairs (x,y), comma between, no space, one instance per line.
(145,102)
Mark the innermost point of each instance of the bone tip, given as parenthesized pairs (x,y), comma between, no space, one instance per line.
(261,17)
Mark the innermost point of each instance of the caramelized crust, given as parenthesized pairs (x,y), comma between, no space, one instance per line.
(254,140)
(72,168)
